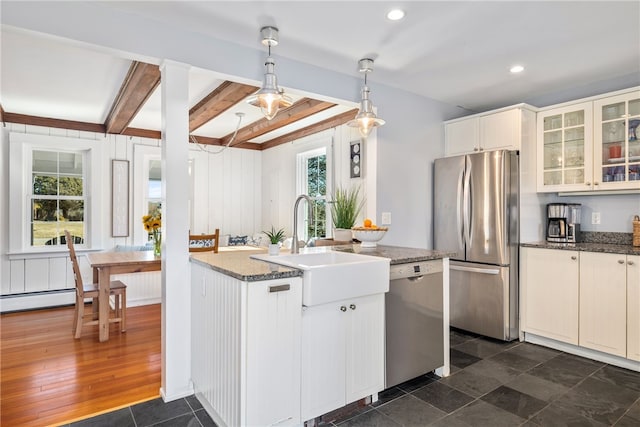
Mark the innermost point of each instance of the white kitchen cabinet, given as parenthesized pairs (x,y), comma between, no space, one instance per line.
(591,145)
(493,130)
(565,148)
(246,347)
(603,296)
(462,136)
(633,307)
(616,158)
(342,353)
(550,281)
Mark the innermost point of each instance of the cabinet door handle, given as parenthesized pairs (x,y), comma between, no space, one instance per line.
(588,183)
(352,306)
(475,149)
(279,288)
(630,262)
(573,257)
(620,261)
(343,308)
(595,183)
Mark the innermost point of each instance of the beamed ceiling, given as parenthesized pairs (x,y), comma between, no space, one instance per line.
(143,79)
(56,72)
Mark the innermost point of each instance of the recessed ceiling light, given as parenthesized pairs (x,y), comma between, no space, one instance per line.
(517,69)
(395,14)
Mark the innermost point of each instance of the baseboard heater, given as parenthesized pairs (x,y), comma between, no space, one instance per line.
(40,299)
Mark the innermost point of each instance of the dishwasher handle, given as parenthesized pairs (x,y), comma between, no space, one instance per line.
(415,278)
(493,271)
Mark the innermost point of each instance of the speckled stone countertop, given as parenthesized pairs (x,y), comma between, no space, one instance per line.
(586,247)
(397,254)
(239,265)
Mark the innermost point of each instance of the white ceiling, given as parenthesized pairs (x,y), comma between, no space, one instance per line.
(456,52)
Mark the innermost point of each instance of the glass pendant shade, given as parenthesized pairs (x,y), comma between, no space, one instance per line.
(366,119)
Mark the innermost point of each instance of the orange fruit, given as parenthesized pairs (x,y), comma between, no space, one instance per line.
(367,223)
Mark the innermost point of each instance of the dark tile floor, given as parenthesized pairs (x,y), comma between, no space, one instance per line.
(492,384)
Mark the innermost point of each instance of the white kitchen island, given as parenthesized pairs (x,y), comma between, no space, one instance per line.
(259,357)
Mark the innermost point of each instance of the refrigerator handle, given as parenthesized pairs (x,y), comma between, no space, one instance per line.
(459,212)
(467,205)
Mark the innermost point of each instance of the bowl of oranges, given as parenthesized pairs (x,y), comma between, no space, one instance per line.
(369,234)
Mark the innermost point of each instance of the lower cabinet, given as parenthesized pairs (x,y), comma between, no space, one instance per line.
(342,353)
(550,280)
(590,299)
(633,307)
(246,348)
(603,300)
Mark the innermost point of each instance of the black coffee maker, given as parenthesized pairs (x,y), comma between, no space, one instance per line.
(563,222)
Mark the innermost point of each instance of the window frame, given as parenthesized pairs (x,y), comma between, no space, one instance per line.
(21,147)
(302,187)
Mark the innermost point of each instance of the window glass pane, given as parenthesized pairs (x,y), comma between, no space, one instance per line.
(154,208)
(155,179)
(70,163)
(44,185)
(71,211)
(44,225)
(70,186)
(45,161)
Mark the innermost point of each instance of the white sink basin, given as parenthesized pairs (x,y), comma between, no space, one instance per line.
(333,276)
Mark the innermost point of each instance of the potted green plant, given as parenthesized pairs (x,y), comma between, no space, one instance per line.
(345,208)
(275,237)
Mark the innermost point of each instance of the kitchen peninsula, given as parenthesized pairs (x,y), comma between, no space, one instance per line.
(251,348)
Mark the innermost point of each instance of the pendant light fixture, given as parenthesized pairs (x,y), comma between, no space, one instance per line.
(366,119)
(270,98)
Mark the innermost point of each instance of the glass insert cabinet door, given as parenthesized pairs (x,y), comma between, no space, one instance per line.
(564,154)
(617,143)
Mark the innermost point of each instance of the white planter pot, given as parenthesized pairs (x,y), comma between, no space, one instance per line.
(342,234)
(274,249)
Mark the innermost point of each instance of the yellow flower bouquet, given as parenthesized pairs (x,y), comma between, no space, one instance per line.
(152,224)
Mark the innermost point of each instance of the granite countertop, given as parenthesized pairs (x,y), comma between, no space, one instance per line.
(397,254)
(239,264)
(609,248)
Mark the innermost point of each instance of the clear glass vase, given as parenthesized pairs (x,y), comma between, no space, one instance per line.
(157,243)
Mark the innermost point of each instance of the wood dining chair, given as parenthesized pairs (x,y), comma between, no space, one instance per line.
(84,290)
(204,242)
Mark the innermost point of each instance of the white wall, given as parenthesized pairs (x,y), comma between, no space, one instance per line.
(227,196)
(408,143)
(279,173)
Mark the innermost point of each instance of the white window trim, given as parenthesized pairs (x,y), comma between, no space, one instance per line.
(142,155)
(20,147)
(302,187)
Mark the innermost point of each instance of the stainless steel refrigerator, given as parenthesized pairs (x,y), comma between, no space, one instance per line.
(476,213)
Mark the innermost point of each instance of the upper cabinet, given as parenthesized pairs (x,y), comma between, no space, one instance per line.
(616,144)
(500,129)
(565,146)
(590,146)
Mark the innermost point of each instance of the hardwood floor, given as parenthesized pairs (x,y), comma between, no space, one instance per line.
(48,378)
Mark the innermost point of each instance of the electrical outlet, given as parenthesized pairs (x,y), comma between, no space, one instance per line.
(386,218)
(595,218)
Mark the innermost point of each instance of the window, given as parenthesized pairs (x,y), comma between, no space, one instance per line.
(154,188)
(312,169)
(57,197)
(51,188)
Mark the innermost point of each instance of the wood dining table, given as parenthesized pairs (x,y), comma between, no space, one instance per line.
(104,264)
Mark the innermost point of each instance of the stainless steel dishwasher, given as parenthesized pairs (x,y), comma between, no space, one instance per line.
(414,321)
